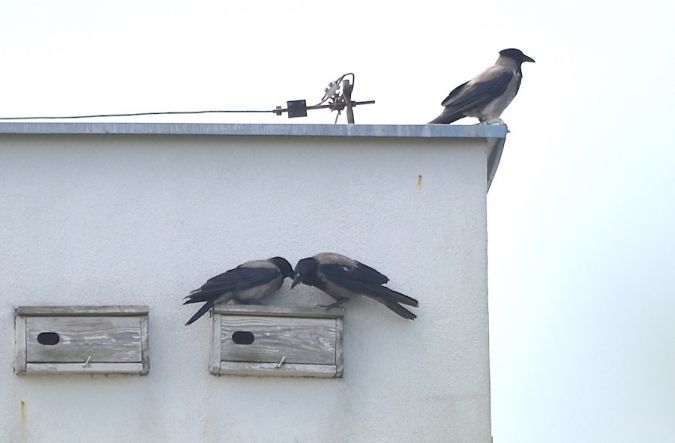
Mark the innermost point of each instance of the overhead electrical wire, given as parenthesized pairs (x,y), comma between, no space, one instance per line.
(334,94)
(137,114)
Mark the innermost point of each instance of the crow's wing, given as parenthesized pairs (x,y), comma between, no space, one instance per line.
(224,286)
(356,271)
(355,281)
(453,93)
(480,91)
(238,279)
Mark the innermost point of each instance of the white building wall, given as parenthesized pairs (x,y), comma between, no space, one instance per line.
(143,219)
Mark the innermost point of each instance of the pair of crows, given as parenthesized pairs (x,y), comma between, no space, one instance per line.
(338,276)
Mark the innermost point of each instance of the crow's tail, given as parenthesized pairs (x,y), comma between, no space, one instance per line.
(400,310)
(447,116)
(389,294)
(209,299)
(391,299)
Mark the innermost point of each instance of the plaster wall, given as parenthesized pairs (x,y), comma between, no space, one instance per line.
(143,219)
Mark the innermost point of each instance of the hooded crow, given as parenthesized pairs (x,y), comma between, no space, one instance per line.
(342,278)
(247,283)
(488,94)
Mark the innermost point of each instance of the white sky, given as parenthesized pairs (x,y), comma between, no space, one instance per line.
(582,248)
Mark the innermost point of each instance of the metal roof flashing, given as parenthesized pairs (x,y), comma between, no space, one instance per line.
(494,133)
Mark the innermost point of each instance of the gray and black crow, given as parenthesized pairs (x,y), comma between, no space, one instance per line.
(488,94)
(342,278)
(247,283)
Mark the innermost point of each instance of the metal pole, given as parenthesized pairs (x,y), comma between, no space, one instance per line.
(347,93)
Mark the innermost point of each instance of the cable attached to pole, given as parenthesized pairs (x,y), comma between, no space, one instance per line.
(337,94)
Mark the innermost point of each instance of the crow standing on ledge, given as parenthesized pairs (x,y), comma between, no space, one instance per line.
(249,282)
(488,94)
(342,278)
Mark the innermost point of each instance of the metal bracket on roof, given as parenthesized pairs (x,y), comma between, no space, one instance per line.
(337,97)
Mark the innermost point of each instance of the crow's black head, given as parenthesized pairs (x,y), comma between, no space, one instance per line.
(516,55)
(305,271)
(283,265)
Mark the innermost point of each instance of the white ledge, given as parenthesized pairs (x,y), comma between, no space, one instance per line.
(496,134)
(292,130)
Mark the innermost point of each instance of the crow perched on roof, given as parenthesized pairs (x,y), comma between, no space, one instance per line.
(489,93)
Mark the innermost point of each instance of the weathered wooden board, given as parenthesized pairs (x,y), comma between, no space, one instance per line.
(97,339)
(80,368)
(281,341)
(82,340)
(299,340)
(267,369)
(20,345)
(63,311)
(214,357)
(278,311)
(339,361)
(145,347)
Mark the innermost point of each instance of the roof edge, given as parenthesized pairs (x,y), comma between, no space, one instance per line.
(493,131)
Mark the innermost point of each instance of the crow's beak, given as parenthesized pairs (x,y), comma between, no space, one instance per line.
(296,280)
(527,59)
